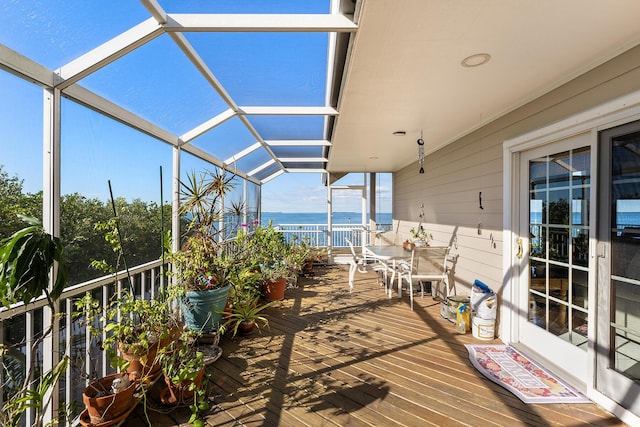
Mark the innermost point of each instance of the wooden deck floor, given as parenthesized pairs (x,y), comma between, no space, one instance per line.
(334,358)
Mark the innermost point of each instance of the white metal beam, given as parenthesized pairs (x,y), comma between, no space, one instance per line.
(261,167)
(302,159)
(193,56)
(298,170)
(273,175)
(206,156)
(258,137)
(108,52)
(196,60)
(22,66)
(298,142)
(207,126)
(51,221)
(288,111)
(155,10)
(259,23)
(243,153)
(108,108)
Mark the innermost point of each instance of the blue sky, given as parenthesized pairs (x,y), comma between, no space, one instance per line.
(96,149)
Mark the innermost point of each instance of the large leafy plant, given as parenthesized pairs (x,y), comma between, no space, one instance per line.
(204,260)
(27,260)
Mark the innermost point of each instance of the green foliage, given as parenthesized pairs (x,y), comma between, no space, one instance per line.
(247,310)
(132,324)
(15,202)
(181,364)
(26,259)
(140,227)
(32,398)
(204,261)
(419,234)
(267,250)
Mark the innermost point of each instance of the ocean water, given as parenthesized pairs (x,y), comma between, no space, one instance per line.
(312,226)
(280,218)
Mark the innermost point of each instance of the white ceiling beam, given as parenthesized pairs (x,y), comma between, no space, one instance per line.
(154,8)
(259,23)
(287,111)
(261,167)
(22,66)
(108,108)
(207,126)
(302,159)
(196,60)
(206,156)
(298,142)
(294,170)
(108,52)
(243,153)
(258,138)
(273,175)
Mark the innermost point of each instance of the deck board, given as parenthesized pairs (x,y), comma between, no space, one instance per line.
(334,358)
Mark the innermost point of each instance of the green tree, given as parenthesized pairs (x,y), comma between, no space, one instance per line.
(82,241)
(13,202)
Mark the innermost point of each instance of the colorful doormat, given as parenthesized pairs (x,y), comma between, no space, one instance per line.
(514,371)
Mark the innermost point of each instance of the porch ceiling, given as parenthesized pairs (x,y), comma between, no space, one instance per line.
(405,73)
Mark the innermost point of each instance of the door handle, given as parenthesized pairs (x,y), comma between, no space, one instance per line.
(519,251)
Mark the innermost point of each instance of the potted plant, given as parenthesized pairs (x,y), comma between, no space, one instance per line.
(30,260)
(244,308)
(203,263)
(108,399)
(419,236)
(269,252)
(184,372)
(130,328)
(297,255)
(246,316)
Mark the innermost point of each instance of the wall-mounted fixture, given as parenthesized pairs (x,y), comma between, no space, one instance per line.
(399,133)
(421,152)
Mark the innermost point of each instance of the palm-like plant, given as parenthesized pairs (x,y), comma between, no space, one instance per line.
(247,312)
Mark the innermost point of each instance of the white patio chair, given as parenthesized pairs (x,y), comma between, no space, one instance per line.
(428,264)
(362,264)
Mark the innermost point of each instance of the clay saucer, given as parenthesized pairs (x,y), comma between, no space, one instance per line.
(85,420)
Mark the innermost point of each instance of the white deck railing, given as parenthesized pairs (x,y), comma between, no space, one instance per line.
(86,361)
(318,234)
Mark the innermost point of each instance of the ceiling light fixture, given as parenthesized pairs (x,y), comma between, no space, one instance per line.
(476,60)
(421,152)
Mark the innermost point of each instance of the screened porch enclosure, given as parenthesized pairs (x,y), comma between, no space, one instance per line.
(109,106)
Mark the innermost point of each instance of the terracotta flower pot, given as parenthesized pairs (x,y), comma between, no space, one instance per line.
(246,327)
(274,289)
(308,266)
(141,365)
(103,407)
